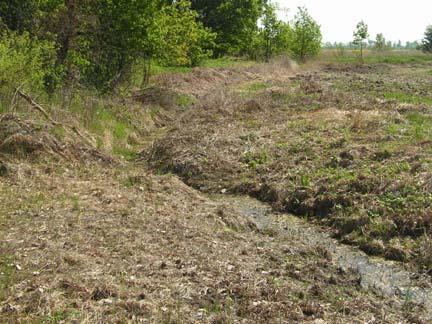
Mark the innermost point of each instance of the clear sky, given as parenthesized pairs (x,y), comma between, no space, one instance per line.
(396,19)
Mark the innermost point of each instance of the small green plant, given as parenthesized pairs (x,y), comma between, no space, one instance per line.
(256,87)
(153,112)
(254,159)
(127,153)
(184,100)
(75,203)
(304,181)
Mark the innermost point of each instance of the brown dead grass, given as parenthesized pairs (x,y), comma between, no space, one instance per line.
(95,250)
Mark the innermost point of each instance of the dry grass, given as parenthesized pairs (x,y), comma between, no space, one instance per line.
(96,249)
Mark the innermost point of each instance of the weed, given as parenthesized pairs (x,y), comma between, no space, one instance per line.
(184,100)
(59,132)
(127,153)
(75,203)
(256,87)
(254,159)
(153,112)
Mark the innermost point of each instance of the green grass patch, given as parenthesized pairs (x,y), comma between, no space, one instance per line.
(255,87)
(407,98)
(417,128)
(254,159)
(185,100)
(128,154)
(227,62)
(390,57)
(158,69)
(7,275)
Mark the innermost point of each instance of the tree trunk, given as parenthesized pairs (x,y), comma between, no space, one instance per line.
(146,70)
(68,32)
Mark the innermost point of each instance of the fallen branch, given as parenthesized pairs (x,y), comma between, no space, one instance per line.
(38,107)
(13,100)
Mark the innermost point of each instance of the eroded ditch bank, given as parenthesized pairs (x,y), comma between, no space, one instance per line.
(386,278)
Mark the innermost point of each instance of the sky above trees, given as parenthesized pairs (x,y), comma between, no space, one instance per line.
(396,19)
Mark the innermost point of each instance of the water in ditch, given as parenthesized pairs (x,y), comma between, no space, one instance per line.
(386,278)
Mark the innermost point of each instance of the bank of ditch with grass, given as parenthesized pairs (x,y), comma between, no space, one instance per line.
(347,146)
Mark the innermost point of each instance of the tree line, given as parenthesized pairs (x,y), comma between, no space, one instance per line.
(98,42)
(361,40)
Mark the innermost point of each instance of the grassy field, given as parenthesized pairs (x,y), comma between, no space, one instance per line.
(374,57)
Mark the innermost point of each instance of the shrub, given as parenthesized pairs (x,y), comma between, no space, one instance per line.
(25,62)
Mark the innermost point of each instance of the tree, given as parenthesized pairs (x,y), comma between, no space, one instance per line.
(426,45)
(234,21)
(306,36)
(181,39)
(17,15)
(273,37)
(360,35)
(380,43)
(113,35)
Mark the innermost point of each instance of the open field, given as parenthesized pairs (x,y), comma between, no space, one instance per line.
(133,209)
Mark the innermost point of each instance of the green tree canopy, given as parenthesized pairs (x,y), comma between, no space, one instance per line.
(426,45)
(234,21)
(179,38)
(380,43)
(306,36)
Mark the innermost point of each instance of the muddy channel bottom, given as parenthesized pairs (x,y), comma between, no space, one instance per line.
(386,278)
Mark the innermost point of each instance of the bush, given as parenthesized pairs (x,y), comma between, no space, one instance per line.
(25,62)
(183,40)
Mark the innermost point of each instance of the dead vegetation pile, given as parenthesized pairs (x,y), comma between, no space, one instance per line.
(22,138)
(203,81)
(328,145)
